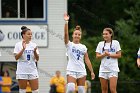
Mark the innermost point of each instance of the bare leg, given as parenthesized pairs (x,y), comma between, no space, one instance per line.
(113,84)
(22,83)
(81,84)
(34,84)
(104,85)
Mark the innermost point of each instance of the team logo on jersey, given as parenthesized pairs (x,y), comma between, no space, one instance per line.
(29,51)
(74,50)
(110,50)
(1,35)
(77,52)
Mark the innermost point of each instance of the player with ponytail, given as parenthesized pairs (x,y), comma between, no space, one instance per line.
(26,53)
(77,52)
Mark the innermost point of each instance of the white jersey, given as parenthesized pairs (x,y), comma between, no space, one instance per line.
(108,64)
(76,54)
(26,63)
(138,53)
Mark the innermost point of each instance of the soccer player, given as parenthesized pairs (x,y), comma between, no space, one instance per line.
(77,52)
(138,59)
(26,53)
(108,51)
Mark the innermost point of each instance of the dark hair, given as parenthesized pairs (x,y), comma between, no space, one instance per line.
(24,30)
(6,71)
(111,32)
(78,28)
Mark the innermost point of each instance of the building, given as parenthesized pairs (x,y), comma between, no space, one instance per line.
(45,19)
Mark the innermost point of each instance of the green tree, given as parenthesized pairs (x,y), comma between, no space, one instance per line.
(93,16)
(129,37)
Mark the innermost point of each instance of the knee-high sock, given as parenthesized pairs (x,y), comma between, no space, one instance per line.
(81,89)
(70,88)
(35,91)
(22,90)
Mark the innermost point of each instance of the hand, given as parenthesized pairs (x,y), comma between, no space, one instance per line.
(92,75)
(138,63)
(66,17)
(24,44)
(107,53)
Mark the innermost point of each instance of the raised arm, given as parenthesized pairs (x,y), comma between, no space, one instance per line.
(66,34)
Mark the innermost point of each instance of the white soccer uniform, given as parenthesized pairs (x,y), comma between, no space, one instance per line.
(76,54)
(109,64)
(138,53)
(26,63)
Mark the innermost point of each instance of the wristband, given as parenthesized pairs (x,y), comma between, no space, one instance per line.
(66,21)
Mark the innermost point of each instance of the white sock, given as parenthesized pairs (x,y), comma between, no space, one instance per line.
(70,88)
(81,89)
(35,91)
(22,90)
